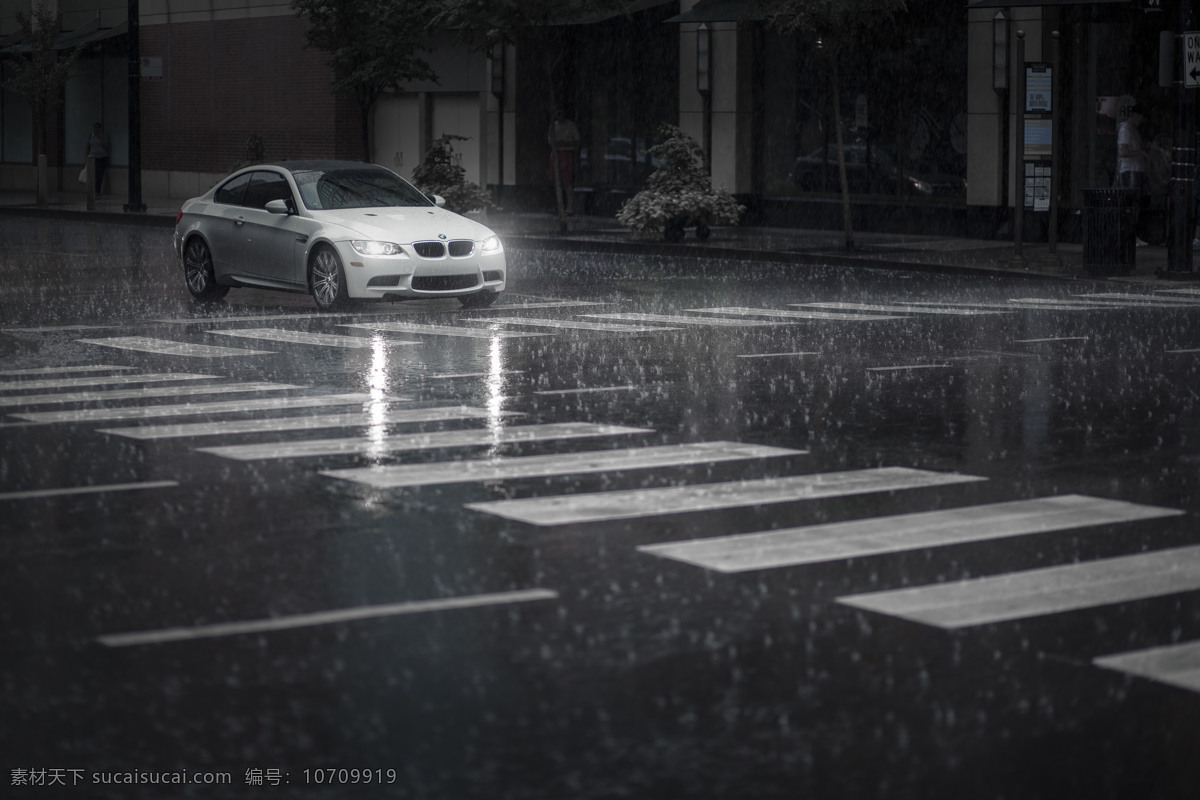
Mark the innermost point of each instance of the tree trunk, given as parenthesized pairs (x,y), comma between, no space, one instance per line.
(837,126)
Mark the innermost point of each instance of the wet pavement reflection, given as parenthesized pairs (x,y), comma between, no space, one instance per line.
(648,527)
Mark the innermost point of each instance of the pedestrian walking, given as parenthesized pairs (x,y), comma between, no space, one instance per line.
(98,148)
(563,138)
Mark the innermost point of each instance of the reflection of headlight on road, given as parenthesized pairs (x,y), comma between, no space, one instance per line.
(490,245)
(377,248)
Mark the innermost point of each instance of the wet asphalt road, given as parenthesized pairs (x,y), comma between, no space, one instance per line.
(285,619)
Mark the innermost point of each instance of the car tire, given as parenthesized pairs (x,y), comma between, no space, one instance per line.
(327,279)
(198,271)
(479,299)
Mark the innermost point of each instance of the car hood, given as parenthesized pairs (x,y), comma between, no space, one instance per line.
(403,225)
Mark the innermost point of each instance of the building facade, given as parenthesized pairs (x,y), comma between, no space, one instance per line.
(928,121)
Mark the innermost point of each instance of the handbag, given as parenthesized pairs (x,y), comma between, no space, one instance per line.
(83,175)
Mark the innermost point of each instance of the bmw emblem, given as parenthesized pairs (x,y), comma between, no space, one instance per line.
(441,236)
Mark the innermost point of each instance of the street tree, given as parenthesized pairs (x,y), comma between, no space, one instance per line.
(372,47)
(835,28)
(38,71)
(541,24)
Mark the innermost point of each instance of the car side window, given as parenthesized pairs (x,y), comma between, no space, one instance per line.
(265,187)
(233,191)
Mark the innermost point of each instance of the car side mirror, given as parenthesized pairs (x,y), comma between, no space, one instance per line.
(438,200)
(279,207)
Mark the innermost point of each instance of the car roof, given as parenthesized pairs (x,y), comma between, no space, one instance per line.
(320,165)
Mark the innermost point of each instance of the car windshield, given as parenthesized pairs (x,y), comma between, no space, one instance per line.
(328,190)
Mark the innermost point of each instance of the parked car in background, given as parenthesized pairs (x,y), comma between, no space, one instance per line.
(336,230)
(870,170)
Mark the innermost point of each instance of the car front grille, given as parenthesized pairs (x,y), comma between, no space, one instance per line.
(444,283)
(429,249)
(461,248)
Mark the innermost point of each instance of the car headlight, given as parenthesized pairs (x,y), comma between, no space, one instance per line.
(491,244)
(377,248)
(920,186)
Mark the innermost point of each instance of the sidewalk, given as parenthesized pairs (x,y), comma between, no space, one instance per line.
(783,245)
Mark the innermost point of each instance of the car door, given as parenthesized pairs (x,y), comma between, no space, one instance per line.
(223,226)
(276,240)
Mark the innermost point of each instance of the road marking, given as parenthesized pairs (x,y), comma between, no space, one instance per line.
(305,337)
(791,314)
(587,390)
(454,375)
(779,355)
(1039,592)
(210,320)
(409,475)
(604,506)
(674,319)
(369,418)
(1028,304)
(59,328)
(1052,340)
(574,324)
(815,544)
(908,367)
(62,370)
(68,383)
(506,307)
(440,330)
(342,615)
(196,409)
(903,308)
(1069,303)
(370,445)
(138,394)
(68,491)
(1144,299)
(165,347)
(1175,665)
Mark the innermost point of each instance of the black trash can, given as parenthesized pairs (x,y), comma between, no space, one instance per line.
(1109,231)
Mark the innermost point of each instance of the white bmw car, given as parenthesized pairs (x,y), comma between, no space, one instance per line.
(336,230)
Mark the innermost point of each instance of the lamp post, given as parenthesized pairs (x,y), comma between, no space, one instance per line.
(1018,260)
(498,91)
(135,111)
(704,86)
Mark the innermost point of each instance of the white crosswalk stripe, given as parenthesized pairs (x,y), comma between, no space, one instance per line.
(410,475)
(64,370)
(567,324)
(1175,664)
(197,409)
(113,380)
(360,445)
(305,337)
(1039,592)
(11,401)
(440,330)
(607,506)
(796,313)
(369,418)
(676,319)
(166,347)
(838,541)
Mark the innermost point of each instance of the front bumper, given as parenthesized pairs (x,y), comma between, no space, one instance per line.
(412,275)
